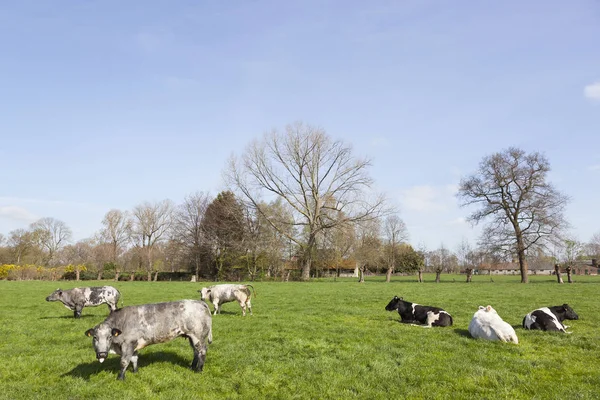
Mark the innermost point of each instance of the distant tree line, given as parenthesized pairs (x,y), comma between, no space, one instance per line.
(299,205)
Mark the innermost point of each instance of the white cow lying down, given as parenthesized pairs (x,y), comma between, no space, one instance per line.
(487,324)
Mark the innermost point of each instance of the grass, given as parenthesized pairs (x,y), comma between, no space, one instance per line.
(318,340)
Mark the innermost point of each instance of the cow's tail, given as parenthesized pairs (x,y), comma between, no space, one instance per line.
(254,290)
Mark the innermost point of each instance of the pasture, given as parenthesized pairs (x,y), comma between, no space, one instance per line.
(320,340)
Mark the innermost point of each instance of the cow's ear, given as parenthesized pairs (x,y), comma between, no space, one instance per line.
(395,297)
(489,308)
(89,332)
(481,307)
(401,298)
(115,332)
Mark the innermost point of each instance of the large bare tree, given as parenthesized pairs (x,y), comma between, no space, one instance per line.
(150,222)
(51,235)
(395,232)
(524,209)
(188,229)
(116,232)
(312,173)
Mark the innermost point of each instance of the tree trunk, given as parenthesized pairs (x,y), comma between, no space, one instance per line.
(116,276)
(156,276)
(132,276)
(361,274)
(437,276)
(99,275)
(469,274)
(569,270)
(420,276)
(388,275)
(557,272)
(77,272)
(522,259)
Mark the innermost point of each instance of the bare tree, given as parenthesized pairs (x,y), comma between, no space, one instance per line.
(593,246)
(116,232)
(20,241)
(51,234)
(79,255)
(466,257)
(572,250)
(368,245)
(312,173)
(442,260)
(525,209)
(188,228)
(150,222)
(395,232)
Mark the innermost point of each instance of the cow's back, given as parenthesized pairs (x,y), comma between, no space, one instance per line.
(161,322)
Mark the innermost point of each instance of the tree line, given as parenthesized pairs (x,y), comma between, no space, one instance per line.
(301,204)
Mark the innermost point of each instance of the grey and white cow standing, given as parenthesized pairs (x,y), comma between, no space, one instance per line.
(130,329)
(224,293)
(77,298)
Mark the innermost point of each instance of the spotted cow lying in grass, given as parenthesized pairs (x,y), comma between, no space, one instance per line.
(411,313)
(549,318)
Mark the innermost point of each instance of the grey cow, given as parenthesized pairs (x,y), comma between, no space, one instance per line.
(224,293)
(130,329)
(77,298)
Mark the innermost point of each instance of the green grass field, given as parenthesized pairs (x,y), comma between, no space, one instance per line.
(317,340)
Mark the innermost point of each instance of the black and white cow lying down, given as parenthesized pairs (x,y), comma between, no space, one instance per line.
(549,318)
(77,298)
(132,328)
(415,313)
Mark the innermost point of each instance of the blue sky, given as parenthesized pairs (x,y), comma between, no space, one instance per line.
(106,104)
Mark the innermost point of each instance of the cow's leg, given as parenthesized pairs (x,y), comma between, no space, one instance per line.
(77,311)
(200,348)
(243,305)
(134,361)
(216,304)
(127,354)
(249,305)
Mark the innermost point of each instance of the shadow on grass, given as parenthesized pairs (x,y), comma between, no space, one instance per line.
(71,317)
(112,364)
(462,332)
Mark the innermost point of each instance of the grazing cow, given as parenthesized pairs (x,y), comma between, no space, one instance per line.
(412,312)
(219,294)
(77,298)
(132,328)
(549,318)
(487,324)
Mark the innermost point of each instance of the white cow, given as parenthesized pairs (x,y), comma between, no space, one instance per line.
(487,324)
(224,293)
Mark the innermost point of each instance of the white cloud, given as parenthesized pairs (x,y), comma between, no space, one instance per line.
(592,91)
(17,213)
(427,198)
(594,167)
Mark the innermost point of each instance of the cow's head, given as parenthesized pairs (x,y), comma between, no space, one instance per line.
(488,309)
(103,336)
(394,304)
(569,312)
(204,293)
(55,296)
